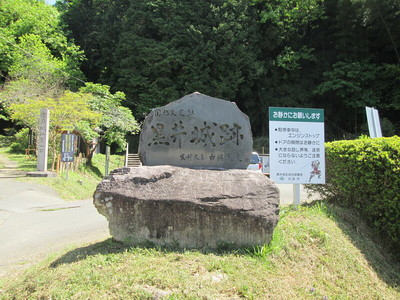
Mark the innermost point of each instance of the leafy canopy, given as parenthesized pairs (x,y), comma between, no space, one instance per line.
(70,108)
(115,120)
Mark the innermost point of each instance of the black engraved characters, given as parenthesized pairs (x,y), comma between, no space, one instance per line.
(205,135)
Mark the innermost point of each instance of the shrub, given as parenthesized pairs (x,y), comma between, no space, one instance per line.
(365,174)
(21,141)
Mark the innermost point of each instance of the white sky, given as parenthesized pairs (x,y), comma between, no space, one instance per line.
(50,1)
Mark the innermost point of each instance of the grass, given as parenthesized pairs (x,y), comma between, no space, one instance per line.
(57,209)
(79,185)
(317,252)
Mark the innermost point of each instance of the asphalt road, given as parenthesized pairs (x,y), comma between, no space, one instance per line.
(35,222)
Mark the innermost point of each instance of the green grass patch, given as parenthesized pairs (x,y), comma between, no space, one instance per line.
(79,185)
(24,163)
(57,209)
(317,252)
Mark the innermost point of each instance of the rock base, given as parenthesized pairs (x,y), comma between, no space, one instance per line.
(188,208)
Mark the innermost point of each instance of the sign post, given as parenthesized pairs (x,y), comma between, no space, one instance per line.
(297,151)
(374,125)
(67,149)
(265,163)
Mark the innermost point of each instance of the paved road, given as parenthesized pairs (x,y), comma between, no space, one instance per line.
(35,222)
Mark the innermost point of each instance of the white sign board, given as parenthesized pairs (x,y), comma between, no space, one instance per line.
(296,143)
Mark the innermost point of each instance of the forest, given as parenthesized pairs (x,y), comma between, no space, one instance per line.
(339,55)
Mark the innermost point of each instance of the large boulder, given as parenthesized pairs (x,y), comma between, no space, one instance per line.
(189,208)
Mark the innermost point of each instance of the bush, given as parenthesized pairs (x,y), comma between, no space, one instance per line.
(21,141)
(365,174)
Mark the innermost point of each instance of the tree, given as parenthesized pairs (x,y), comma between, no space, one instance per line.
(35,72)
(36,59)
(382,17)
(359,60)
(287,60)
(331,54)
(95,113)
(70,108)
(158,51)
(115,122)
(21,18)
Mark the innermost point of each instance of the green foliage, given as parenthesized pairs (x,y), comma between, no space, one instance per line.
(288,15)
(33,57)
(36,59)
(365,174)
(116,120)
(32,37)
(356,44)
(334,54)
(21,141)
(349,81)
(171,47)
(70,109)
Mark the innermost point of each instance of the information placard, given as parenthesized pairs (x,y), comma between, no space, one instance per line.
(296,140)
(67,147)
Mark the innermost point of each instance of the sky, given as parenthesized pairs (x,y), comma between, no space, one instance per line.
(50,1)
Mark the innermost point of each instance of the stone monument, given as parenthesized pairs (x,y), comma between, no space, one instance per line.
(197,131)
(43,139)
(42,146)
(192,191)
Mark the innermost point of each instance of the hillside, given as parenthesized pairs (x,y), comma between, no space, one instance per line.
(318,252)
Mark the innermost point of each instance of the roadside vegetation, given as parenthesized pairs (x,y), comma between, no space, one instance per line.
(79,185)
(318,251)
(364,174)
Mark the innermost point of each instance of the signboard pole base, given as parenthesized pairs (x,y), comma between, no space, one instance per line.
(296,194)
